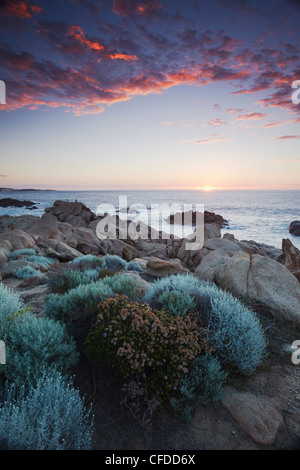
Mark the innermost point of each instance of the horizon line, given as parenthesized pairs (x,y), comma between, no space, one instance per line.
(202,189)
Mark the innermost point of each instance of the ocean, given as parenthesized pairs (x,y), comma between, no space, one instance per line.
(262,216)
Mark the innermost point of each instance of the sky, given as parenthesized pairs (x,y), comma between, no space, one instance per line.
(150,94)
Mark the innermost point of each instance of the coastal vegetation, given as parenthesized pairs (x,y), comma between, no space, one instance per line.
(172,337)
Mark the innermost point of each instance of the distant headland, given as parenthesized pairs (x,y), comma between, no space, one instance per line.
(25,189)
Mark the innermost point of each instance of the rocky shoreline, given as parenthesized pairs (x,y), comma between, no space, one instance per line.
(251,415)
(258,273)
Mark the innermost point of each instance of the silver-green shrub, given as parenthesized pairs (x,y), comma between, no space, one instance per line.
(26,272)
(40,260)
(178,303)
(77,301)
(203,383)
(86,297)
(185,283)
(51,416)
(33,344)
(26,251)
(10,303)
(123,284)
(236,332)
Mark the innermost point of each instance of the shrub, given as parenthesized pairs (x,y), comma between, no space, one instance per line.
(87,262)
(92,274)
(153,346)
(26,272)
(33,343)
(26,251)
(183,283)
(121,283)
(203,383)
(51,417)
(78,301)
(178,303)
(69,279)
(10,303)
(40,260)
(114,263)
(134,266)
(232,328)
(84,298)
(7,442)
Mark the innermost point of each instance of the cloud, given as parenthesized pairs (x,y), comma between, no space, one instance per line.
(252,116)
(216,122)
(282,123)
(184,123)
(4,176)
(211,139)
(287,137)
(77,32)
(136,7)
(19,8)
(234,110)
(107,61)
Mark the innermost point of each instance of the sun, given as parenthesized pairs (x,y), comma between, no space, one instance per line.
(207,188)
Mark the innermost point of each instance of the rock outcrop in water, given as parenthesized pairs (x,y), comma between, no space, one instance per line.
(194,216)
(9,202)
(294,227)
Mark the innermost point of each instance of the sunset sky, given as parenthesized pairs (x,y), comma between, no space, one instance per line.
(150,94)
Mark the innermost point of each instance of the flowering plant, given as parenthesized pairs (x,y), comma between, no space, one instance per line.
(154,346)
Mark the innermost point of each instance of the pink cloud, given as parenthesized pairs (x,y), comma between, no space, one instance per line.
(252,116)
(19,8)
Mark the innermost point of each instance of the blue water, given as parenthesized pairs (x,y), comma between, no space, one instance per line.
(263,216)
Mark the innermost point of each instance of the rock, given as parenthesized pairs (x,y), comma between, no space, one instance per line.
(5,249)
(256,415)
(113,247)
(212,218)
(195,216)
(263,282)
(211,231)
(9,202)
(254,248)
(229,246)
(148,248)
(18,239)
(290,258)
(36,291)
(129,253)
(57,249)
(45,226)
(74,213)
(158,267)
(207,268)
(294,227)
(32,281)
